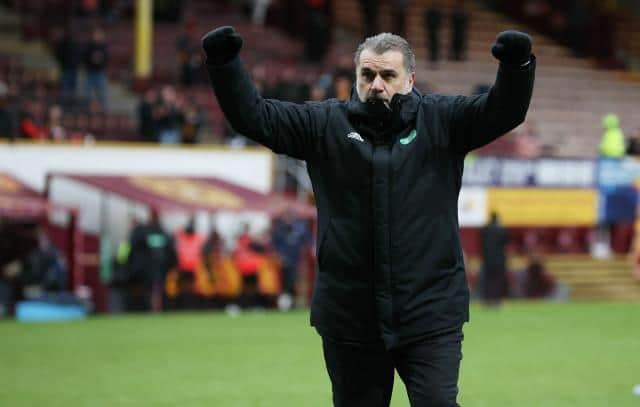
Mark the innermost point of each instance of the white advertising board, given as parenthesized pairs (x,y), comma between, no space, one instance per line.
(251,168)
(472,207)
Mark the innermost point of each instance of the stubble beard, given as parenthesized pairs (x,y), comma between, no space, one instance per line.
(375,98)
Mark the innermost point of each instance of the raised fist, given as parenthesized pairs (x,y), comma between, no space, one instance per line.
(512,48)
(221,45)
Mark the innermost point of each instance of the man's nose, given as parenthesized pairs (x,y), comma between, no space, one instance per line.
(378,84)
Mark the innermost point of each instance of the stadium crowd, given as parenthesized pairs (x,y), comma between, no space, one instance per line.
(85,41)
(585,27)
(31,266)
(155,270)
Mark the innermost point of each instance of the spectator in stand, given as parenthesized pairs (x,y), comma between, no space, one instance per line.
(603,35)
(67,53)
(577,34)
(192,122)
(433,24)
(494,263)
(31,127)
(56,130)
(289,237)
(370,10)
(7,121)
(188,56)
(114,10)
(612,144)
(167,10)
(318,93)
(459,22)
(189,249)
(558,24)
(147,129)
(537,282)
(342,83)
(317,30)
(96,60)
(88,8)
(399,8)
(527,144)
(536,12)
(633,144)
(290,88)
(548,151)
(341,86)
(168,116)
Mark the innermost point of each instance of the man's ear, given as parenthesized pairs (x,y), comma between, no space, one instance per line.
(412,81)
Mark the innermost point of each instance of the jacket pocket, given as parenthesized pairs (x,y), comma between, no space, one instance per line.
(342,246)
(450,256)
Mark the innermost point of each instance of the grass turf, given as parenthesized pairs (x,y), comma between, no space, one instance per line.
(523,354)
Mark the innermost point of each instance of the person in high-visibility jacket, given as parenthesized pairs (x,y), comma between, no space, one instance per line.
(189,250)
(612,144)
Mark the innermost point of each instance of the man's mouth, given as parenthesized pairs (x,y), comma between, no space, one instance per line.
(375,97)
(378,99)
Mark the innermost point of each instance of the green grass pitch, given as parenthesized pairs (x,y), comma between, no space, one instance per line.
(523,354)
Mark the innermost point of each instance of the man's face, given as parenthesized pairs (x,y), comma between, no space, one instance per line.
(380,76)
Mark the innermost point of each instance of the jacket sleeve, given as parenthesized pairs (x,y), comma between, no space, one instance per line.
(480,119)
(286,128)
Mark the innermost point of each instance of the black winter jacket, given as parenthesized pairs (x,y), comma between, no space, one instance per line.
(389,256)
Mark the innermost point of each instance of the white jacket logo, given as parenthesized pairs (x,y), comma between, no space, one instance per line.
(355,136)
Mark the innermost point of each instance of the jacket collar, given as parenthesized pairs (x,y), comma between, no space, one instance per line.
(375,120)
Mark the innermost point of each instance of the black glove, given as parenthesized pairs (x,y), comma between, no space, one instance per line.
(512,48)
(221,45)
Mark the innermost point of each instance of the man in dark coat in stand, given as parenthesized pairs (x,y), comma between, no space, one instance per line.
(96,61)
(370,10)
(433,23)
(399,8)
(459,22)
(68,55)
(494,263)
(390,290)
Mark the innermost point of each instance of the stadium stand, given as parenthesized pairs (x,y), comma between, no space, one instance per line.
(31,72)
(571,94)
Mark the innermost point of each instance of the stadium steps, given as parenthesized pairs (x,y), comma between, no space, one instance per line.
(586,277)
(35,55)
(591,279)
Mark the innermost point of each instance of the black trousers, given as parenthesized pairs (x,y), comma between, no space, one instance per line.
(362,375)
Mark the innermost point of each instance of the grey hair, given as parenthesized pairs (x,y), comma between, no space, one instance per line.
(384,42)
